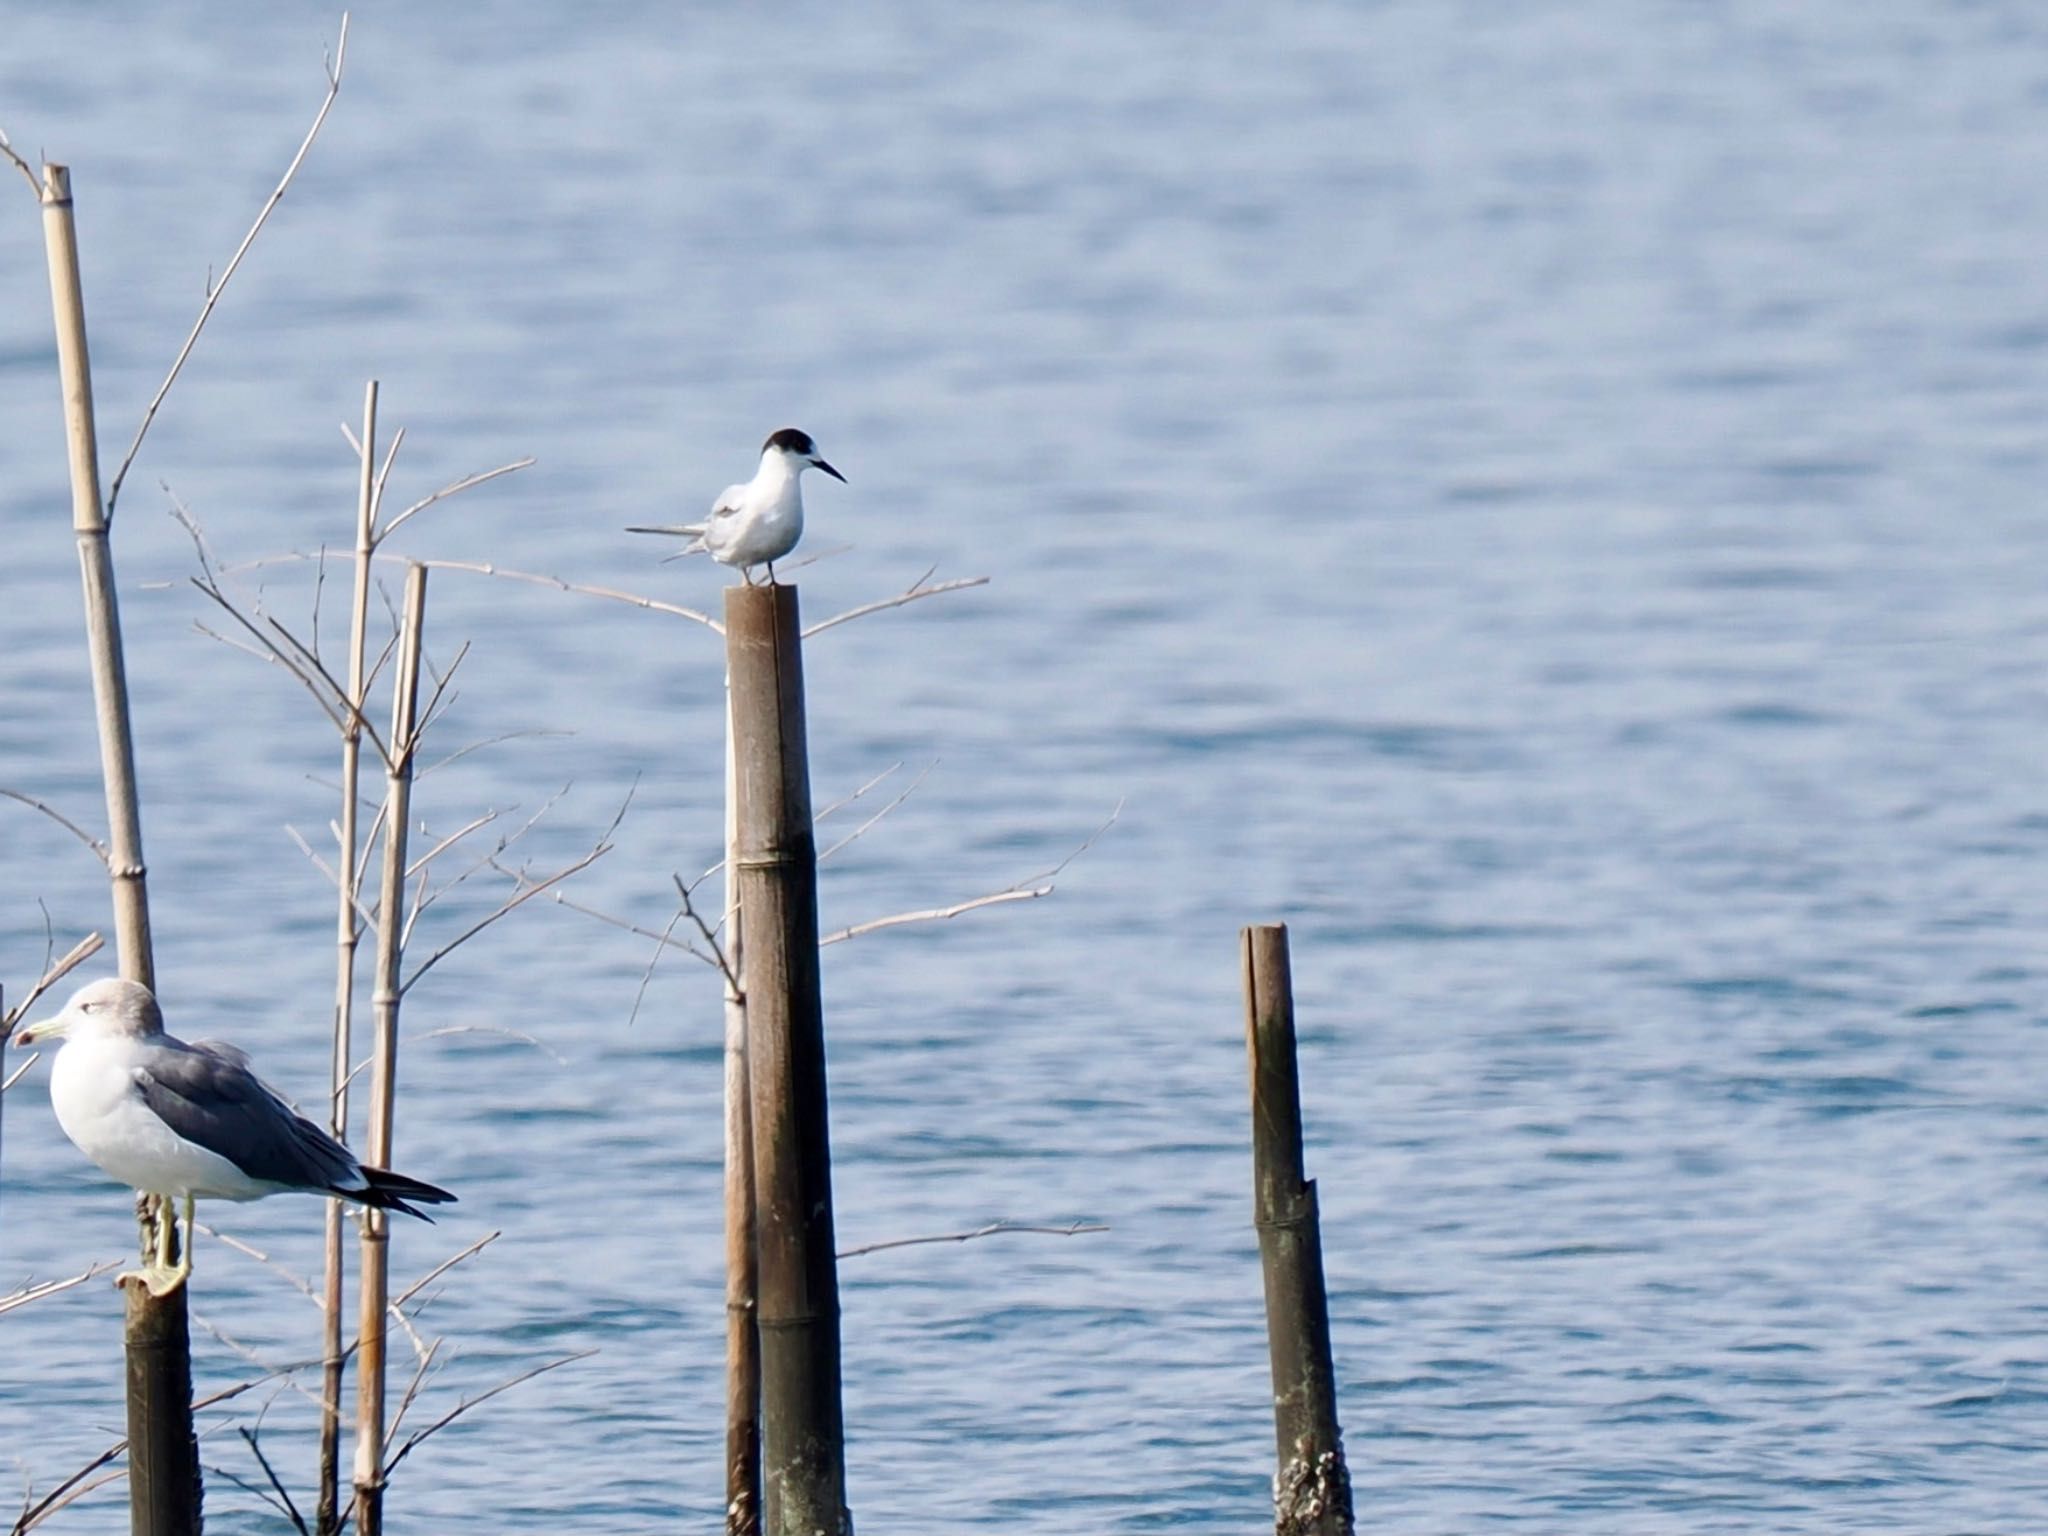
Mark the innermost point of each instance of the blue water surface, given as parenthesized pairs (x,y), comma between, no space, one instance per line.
(1545,499)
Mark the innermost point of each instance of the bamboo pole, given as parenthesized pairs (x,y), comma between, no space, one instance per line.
(803,1473)
(374,1280)
(1312,1489)
(347,936)
(164,1489)
(742,1338)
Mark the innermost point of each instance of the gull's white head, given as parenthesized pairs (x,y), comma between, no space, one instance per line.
(797,452)
(110,1008)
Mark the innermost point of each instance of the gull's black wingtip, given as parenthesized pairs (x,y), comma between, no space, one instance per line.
(387,1191)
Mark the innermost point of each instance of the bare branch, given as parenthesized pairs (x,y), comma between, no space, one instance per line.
(33,1057)
(448,842)
(502,1032)
(485,568)
(1024,890)
(78,954)
(663,940)
(937,914)
(450,490)
(884,811)
(489,741)
(515,901)
(443,1267)
(27,1294)
(72,1489)
(214,290)
(7,149)
(298,1283)
(412,1390)
(845,800)
(917,589)
(482,1397)
(993,1229)
(62,820)
(426,898)
(610,593)
(269,1472)
(724,965)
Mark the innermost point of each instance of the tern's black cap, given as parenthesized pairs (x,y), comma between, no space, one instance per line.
(790,440)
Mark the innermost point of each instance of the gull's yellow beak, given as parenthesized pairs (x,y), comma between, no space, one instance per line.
(40,1031)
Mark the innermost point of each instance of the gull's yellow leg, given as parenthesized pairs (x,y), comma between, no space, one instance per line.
(167,1277)
(162,1276)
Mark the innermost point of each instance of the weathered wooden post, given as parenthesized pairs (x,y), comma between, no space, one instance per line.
(803,1458)
(164,1490)
(1312,1490)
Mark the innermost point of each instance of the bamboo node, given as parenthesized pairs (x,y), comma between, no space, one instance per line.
(799,1320)
(127,871)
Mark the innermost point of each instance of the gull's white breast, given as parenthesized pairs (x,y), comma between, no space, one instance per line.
(93,1091)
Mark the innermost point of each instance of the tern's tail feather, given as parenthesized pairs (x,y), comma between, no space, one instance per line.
(388,1191)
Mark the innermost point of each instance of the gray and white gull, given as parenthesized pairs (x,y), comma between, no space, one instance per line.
(191,1121)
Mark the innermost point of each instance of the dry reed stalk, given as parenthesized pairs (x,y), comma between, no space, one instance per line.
(164,1486)
(803,1460)
(742,1337)
(374,1283)
(347,937)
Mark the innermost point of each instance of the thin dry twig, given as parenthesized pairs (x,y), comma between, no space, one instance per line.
(7,149)
(85,837)
(412,1390)
(916,590)
(446,491)
(1024,890)
(863,828)
(298,1283)
(611,594)
(663,940)
(487,568)
(333,68)
(443,1267)
(284,1499)
(29,1293)
(482,1397)
(845,800)
(993,1229)
(526,891)
(78,954)
(724,965)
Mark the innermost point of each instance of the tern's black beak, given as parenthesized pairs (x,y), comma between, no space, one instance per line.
(821,464)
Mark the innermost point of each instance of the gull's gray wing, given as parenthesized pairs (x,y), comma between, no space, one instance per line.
(206,1093)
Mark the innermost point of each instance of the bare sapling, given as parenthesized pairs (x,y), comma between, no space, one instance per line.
(347,937)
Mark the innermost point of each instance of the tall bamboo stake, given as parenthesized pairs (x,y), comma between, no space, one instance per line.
(802,1425)
(347,935)
(374,1280)
(1312,1490)
(164,1490)
(742,1338)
